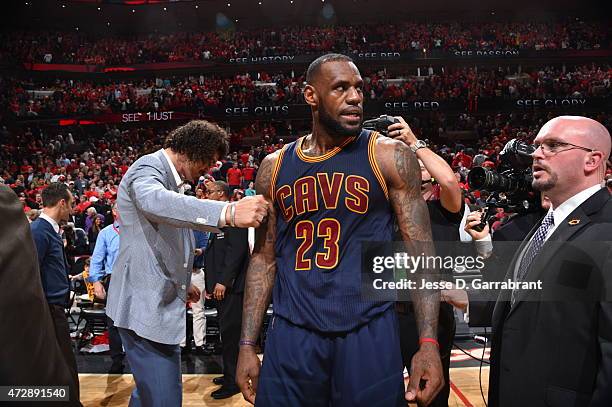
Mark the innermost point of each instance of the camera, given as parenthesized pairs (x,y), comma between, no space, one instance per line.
(380,124)
(515,171)
(510,187)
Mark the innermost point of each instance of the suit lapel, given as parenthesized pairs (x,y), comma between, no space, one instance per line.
(170,181)
(551,248)
(187,234)
(573,223)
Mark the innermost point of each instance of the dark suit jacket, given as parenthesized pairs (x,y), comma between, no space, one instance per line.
(506,242)
(29,352)
(554,346)
(226,259)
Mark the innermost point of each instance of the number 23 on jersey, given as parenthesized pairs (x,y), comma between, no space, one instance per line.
(327,229)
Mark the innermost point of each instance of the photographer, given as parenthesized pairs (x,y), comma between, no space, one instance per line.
(445,206)
(479,306)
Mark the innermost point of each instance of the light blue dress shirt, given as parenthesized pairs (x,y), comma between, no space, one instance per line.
(105,252)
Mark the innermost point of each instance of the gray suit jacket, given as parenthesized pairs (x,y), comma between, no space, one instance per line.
(152,272)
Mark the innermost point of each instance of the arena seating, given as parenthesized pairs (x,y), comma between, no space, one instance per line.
(78,48)
(66,98)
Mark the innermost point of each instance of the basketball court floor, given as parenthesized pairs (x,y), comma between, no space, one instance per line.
(100,389)
(114,390)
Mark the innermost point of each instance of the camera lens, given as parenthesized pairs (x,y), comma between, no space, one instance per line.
(482,178)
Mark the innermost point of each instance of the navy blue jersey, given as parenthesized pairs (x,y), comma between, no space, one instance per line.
(326,206)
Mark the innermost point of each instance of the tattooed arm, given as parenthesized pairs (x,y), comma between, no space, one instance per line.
(258,287)
(402,175)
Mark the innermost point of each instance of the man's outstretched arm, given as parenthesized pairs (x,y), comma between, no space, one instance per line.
(402,174)
(258,287)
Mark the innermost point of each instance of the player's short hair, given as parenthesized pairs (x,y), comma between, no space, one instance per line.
(53,193)
(315,66)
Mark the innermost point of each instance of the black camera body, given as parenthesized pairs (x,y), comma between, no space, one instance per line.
(510,188)
(380,124)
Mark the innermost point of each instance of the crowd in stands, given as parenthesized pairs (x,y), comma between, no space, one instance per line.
(467,83)
(197,93)
(93,162)
(194,93)
(79,48)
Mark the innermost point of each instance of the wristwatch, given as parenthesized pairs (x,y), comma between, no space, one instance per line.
(417,145)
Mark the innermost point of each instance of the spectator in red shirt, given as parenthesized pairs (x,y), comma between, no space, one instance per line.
(22,199)
(123,167)
(244,157)
(91,191)
(18,187)
(234,177)
(248,175)
(82,205)
(462,158)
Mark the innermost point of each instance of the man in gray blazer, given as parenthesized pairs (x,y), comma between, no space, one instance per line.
(151,276)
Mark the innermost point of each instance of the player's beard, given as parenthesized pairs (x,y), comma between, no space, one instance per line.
(334,127)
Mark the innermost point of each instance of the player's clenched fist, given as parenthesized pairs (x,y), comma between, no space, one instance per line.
(247,372)
(248,212)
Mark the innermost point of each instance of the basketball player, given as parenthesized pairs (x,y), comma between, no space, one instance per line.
(332,190)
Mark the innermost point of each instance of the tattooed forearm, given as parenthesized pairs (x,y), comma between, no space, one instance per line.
(410,208)
(258,290)
(262,267)
(414,224)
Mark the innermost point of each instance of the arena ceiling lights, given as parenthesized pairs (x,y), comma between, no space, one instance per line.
(144,16)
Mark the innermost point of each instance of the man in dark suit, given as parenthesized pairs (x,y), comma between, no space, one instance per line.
(552,346)
(29,349)
(226,260)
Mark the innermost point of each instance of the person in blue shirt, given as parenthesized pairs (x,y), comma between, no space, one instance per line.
(197,279)
(102,260)
(250,191)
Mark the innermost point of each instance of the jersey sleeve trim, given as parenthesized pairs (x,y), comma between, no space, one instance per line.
(275,170)
(375,168)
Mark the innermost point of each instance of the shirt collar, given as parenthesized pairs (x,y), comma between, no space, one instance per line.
(567,207)
(177,177)
(51,221)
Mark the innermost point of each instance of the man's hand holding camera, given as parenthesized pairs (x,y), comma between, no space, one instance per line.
(474,219)
(402,131)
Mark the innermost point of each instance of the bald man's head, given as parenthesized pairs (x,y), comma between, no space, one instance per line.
(584,131)
(573,155)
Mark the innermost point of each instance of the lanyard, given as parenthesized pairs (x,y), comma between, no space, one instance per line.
(115,229)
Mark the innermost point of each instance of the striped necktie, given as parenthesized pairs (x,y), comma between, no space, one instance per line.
(533,248)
